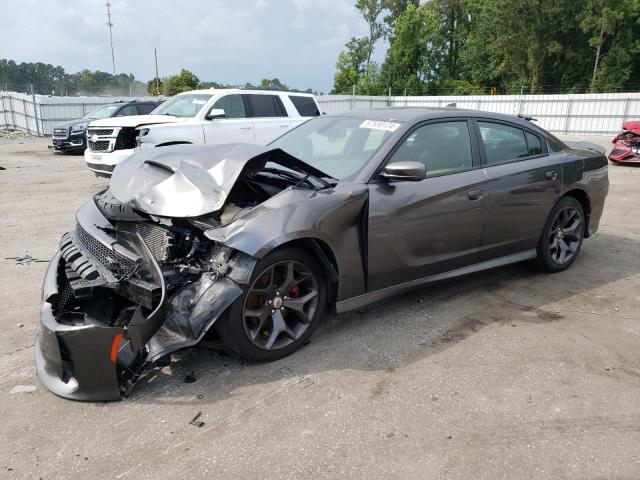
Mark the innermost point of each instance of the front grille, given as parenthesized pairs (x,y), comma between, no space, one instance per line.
(99,146)
(158,239)
(114,262)
(60,132)
(100,131)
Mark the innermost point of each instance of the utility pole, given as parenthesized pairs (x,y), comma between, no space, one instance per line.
(155,53)
(110,25)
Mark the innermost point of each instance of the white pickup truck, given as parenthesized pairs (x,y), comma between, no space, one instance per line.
(200,116)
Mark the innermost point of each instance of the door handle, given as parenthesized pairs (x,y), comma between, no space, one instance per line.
(475,194)
(551,175)
(245,128)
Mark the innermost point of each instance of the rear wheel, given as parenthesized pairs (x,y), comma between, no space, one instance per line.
(280,308)
(562,237)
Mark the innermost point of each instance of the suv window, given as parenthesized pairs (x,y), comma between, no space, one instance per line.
(534,143)
(442,147)
(502,142)
(267,106)
(145,108)
(127,110)
(233,106)
(306,106)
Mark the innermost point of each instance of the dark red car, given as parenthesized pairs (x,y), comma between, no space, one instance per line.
(626,146)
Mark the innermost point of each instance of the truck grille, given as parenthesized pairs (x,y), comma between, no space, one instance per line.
(100,131)
(114,262)
(99,146)
(60,132)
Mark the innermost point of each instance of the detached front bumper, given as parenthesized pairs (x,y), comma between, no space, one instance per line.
(75,361)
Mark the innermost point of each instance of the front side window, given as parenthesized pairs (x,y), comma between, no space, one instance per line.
(338,146)
(128,110)
(145,108)
(184,106)
(502,142)
(233,106)
(442,148)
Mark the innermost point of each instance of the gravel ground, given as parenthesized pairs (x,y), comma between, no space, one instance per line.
(507,374)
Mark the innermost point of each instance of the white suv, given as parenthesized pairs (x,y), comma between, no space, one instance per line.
(199,116)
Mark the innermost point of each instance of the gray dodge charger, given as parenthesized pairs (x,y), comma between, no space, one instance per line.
(254,244)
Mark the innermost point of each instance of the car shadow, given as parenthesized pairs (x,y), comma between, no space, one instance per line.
(402,330)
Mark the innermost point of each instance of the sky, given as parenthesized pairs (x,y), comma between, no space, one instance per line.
(226,41)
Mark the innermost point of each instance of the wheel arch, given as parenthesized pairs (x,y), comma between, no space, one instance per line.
(583,198)
(323,253)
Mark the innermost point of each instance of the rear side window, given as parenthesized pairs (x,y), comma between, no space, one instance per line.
(145,108)
(267,106)
(442,147)
(233,106)
(306,106)
(534,143)
(502,142)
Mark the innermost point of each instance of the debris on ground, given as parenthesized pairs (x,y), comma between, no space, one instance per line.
(190,378)
(22,389)
(26,260)
(14,135)
(195,422)
(19,325)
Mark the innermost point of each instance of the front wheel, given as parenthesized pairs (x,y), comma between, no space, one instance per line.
(562,236)
(279,309)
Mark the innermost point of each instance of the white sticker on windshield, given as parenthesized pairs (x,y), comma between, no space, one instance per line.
(380,125)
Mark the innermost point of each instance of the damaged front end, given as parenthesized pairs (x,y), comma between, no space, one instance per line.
(125,290)
(626,146)
(141,276)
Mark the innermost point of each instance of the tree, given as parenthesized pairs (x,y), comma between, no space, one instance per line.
(371,10)
(182,82)
(395,8)
(273,84)
(350,64)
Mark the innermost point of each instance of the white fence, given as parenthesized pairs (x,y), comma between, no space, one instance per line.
(37,114)
(587,114)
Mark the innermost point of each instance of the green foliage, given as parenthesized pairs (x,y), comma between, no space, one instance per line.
(468,46)
(182,82)
(273,84)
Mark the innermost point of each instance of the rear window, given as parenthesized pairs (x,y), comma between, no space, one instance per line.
(146,108)
(502,143)
(267,106)
(534,143)
(306,106)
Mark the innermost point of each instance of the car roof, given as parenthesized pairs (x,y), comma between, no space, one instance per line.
(419,114)
(218,91)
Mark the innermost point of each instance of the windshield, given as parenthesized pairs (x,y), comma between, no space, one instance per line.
(338,146)
(103,112)
(184,106)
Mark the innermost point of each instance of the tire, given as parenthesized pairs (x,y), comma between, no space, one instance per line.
(562,236)
(280,295)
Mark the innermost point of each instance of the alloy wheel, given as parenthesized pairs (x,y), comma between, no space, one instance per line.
(565,235)
(280,305)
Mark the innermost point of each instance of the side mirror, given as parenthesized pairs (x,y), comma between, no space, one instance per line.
(215,113)
(404,171)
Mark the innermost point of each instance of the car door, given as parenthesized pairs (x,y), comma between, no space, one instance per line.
(235,126)
(418,229)
(524,181)
(269,117)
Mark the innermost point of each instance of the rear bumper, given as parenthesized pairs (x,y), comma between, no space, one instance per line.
(103,163)
(74,361)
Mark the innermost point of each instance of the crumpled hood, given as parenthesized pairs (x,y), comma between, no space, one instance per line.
(192,180)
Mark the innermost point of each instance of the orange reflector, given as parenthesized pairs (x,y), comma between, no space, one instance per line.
(114,347)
